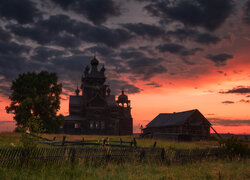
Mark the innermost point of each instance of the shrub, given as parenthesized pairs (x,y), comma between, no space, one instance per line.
(234,147)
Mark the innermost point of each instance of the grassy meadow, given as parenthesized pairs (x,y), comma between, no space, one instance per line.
(13,139)
(203,169)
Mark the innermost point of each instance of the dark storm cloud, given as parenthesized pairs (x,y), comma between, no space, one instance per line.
(247,13)
(102,50)
(219,59)
(50,30)
(146,67)
(71,63)
(208,14)
(117,86)
(5,36)
(142,29)
(228,102)
(206,38)
(194,35)
(12,65)
(130,53)
(96,11)
(9,48)
(66,41)
(44,54)
(23,11)
(226,122)
(238,90)
(177,49)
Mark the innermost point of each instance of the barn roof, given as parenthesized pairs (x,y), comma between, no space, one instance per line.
(171,119)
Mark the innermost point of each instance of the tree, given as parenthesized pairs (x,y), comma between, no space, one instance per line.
(35,101)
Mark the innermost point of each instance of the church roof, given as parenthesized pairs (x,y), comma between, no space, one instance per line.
(171,119)
(74,118)
(75,100)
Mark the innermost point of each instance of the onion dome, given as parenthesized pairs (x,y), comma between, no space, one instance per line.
(77,91)
(108,91)
(94,62)
(123,98)
(103,68)
(86,70)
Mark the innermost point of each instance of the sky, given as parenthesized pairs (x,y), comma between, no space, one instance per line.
(168,55)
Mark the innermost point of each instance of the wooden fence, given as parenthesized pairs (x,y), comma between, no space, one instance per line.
(19,156)
(83,142)
(97,151)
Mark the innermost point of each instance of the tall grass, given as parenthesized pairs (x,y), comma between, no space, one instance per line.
(221,169)
(134,170)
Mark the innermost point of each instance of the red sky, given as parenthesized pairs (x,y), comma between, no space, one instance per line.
(168,58)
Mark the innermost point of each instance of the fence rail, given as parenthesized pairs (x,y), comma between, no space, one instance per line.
(83,142)
(14,156)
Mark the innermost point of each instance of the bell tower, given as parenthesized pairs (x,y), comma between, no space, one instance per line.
(93,84)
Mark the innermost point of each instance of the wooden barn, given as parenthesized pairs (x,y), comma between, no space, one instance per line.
(186,125)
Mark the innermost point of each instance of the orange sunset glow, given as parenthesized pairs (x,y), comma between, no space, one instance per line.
(165,57)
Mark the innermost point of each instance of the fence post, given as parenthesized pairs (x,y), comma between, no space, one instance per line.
(142,155)
(83,141)
(162,154)
(104,141)
(73,155)
(135,143)
(23,157)
(63,141)
(154,144)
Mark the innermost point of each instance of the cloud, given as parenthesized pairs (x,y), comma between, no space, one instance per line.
(23,11)
(44,54)
(227,102)
(5,36)
(244,101)
(66,41)
(226,122)
(52,30)
(196,13)
(153,84)
(9,48)
(96,11)
(130,53)
(146,67)
(118,85)
(194,35)
(142,29)
(206,38)
(237,90)
(219,59)
(177,49)
(102,50)
(246,17)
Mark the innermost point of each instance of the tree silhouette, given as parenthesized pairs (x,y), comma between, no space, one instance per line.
(35,101)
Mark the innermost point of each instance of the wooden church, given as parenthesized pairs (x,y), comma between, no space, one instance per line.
(94,110)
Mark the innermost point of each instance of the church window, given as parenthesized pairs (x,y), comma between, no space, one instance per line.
(102,125)
(91,125)
(76,125)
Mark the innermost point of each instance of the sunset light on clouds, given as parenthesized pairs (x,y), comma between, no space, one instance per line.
(169,56)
